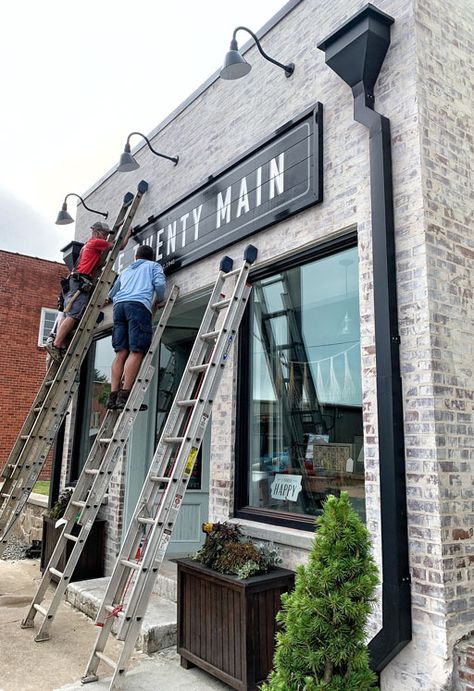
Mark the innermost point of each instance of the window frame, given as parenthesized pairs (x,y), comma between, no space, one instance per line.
(242,508)
(42,338)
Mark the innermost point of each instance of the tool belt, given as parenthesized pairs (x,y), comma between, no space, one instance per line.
(85,281)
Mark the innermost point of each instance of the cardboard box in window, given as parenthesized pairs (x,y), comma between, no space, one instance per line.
(331,457)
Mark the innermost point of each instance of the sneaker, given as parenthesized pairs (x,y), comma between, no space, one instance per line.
(112,400)
(56,353)
(122,398)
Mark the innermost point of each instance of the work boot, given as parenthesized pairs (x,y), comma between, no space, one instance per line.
(56,353)
(122,398)
(112,400)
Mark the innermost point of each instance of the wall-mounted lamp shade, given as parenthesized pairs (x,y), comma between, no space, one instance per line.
(128,162)
(64,218)
(235,66)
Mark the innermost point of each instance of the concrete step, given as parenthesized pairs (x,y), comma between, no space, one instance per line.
(159,624)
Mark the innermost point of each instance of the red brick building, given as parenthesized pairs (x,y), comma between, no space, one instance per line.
(28,298)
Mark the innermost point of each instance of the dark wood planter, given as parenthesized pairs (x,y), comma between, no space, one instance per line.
(91,561)
(227,626)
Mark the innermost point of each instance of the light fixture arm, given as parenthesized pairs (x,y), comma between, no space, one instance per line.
(289,69)
(175,159)
(73,194)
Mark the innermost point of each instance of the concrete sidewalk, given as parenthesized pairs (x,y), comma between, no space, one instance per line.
(60,662)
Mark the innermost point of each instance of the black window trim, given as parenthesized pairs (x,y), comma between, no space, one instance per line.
(242,509)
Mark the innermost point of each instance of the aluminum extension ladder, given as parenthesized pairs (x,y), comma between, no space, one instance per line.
(150,530)
(92,485)
(49,407)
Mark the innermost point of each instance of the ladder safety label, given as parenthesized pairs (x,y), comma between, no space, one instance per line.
(230,340)
(177,501)
(190,461)
(203,421)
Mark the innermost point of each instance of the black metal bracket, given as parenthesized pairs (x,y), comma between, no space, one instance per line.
(356,52)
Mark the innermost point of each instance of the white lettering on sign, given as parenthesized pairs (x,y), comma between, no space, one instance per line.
(223,207)
(196,217)
(276,175)
(286,487)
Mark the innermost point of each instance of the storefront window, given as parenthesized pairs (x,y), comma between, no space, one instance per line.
(304,436)
(95,391)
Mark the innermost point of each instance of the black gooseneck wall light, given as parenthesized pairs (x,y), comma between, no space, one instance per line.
(128,162)
(64,217)
(235,66)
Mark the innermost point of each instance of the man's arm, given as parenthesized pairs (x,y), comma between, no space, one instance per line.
(114,290)
(159,281)
(127,238)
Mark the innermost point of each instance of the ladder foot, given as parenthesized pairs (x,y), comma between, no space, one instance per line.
(40,637)
(27,624)
(89,678)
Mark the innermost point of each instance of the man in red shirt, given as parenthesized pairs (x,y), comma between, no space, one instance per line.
(81,282)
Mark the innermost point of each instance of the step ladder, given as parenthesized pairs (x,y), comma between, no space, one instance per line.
(281,357)
(150,530)
(92,485)
(50,405)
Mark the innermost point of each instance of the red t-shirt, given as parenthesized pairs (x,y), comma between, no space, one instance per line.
(90,255)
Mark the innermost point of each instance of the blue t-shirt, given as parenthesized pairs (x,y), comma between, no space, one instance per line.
(138,282)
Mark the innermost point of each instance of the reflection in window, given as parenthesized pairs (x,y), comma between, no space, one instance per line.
(97,391)
(305,432)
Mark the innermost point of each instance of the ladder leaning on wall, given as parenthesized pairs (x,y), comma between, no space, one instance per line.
(44,419)
(150,529)
(92,485)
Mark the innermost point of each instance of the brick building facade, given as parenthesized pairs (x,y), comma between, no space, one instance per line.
(425,90)
(27,285)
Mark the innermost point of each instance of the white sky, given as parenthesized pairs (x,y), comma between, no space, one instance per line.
(78,77)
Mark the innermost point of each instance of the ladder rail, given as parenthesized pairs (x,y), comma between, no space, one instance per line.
(94,480)
(18,486)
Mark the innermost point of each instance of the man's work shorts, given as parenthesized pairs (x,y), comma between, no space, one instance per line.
(132,327)
(80,300)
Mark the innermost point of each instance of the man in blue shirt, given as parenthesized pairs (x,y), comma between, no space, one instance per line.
(132,295)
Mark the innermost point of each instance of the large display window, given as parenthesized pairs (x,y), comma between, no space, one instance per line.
(301,374)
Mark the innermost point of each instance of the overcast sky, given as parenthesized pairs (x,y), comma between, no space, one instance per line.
(78,77)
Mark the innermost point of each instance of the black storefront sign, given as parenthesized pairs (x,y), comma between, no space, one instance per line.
(277,178)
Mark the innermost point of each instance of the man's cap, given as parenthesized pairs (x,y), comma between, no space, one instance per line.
(103,227)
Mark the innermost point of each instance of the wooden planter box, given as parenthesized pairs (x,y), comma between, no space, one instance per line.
(227,626)
(91,561)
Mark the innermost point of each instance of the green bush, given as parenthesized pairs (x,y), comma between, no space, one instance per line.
(321,646)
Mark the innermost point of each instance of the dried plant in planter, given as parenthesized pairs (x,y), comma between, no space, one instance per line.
(58,509)
(228,551)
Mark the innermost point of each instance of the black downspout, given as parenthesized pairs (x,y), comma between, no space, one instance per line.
(356,52)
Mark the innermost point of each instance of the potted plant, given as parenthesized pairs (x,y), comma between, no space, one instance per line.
(321,646)
(228,597)
(91,561)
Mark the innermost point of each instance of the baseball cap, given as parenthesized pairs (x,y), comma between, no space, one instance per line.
(103,227)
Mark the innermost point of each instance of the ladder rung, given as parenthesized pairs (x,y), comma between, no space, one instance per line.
(55,572)
(37,409)
(40,609)
(221,304)
(158,478)
(24,437)
(131,564)
(199,368)
(188,402)
(105,440)
(68,536)
(173,440)
(5,495)
(78,503)
(49,383)
(91,471)
(108,660)
(146,520)
(210,335)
